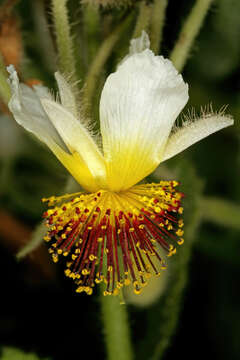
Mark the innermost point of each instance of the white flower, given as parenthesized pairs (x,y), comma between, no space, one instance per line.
(138,108)
(139,105)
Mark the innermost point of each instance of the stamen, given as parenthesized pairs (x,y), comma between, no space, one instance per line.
(112,237)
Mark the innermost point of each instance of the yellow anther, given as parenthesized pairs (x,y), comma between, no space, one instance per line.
(103,227)
(100,239)
(115,292)
(74,257)
(63,236)
(47,238)
(105,293)
(141,226)
(127,282)
(65,253)
(180,241)
(80,289)
(137,291)
(179,232)
(148,275)
(180,210)
(92,257)
(88,290)
(67,272)
(110,268)
(59,251)
(131,229)
(85,272)
(119,285)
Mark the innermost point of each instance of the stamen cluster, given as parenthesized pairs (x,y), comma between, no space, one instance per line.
(113,237)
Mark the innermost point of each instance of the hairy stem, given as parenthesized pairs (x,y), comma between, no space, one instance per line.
(189,32)
(157,23)
(143,19)
(66,61)
(43,35)
(116,329)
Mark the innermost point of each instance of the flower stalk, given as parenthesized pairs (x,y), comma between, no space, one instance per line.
(189,32)
(116,329)
(143,19)
(63,37)
(157,24)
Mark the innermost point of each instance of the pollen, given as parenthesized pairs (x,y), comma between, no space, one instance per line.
(112,237)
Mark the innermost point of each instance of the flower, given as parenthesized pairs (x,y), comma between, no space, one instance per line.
(111,231)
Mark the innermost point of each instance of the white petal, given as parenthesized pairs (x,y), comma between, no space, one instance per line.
(66,94)
(193,132)
(27,110)
(76,137)
(138,106)
(139,44)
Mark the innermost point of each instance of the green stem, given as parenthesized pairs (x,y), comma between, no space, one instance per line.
(157,23)
(220,212)
(101,58)
(92,25)
(143,19)
(43,35)
(116,330)
(63,37)
(189,32)
(5,91)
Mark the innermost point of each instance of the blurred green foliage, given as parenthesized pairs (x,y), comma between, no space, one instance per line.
(8,353)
